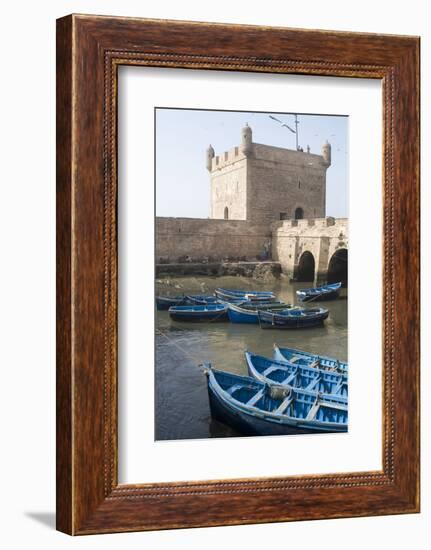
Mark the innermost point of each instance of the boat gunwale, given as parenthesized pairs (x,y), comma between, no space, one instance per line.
(190,309)
(306,355)
(281,364)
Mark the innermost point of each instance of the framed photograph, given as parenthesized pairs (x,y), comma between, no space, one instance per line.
(237,274)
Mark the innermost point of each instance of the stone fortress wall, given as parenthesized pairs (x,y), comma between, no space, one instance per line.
(204,240)
(282,182)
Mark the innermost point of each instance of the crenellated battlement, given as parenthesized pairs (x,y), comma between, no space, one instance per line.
(227,158)
(322,226)
(269,153)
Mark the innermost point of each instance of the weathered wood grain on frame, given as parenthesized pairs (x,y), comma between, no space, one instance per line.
(89,50)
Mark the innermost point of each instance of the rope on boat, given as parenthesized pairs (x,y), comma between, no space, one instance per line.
(314,298)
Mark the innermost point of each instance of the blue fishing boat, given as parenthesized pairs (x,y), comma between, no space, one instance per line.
(165,302)
(300,357)
(254,408)
(201,299)
(209,312)
(251,295)
(319,293)
(305,377)
(247,312)
(293,318)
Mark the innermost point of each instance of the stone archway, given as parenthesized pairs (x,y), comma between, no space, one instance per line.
(337,267)
(306,267)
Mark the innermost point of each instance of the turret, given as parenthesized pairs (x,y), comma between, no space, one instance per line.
(210,156)
(246,140)
(326,153)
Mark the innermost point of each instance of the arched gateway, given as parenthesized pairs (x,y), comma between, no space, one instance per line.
(337,267)
(306,267)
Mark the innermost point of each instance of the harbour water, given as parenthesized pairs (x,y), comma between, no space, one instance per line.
(182,410)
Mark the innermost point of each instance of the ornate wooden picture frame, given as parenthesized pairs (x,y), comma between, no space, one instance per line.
(89,51)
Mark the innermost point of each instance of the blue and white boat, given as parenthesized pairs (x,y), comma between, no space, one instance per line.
(251,295)
(165,302)
(300,357)
(254,408)
(293,318)
(304,377)
(248,312)
(319,293)
(209,312)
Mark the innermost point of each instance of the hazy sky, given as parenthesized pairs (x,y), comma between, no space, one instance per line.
(183,135)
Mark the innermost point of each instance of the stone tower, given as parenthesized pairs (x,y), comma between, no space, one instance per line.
(210,156)
(246,140)
(326,153)
(263,183)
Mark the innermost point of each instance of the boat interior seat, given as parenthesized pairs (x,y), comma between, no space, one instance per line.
(290,378)
(284,405)
(313,411)
(338,388)
(234,388)
(314,382)
(253,400)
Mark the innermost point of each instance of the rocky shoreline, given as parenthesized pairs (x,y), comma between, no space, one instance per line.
(256,270)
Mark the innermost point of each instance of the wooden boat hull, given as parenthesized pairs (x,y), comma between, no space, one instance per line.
(210,313)
(249,421)
(304,358)
(165,302)
(249,315)
(327,292)
(238,315)
(288,320)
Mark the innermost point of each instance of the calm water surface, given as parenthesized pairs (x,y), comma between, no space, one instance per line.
(182,410)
